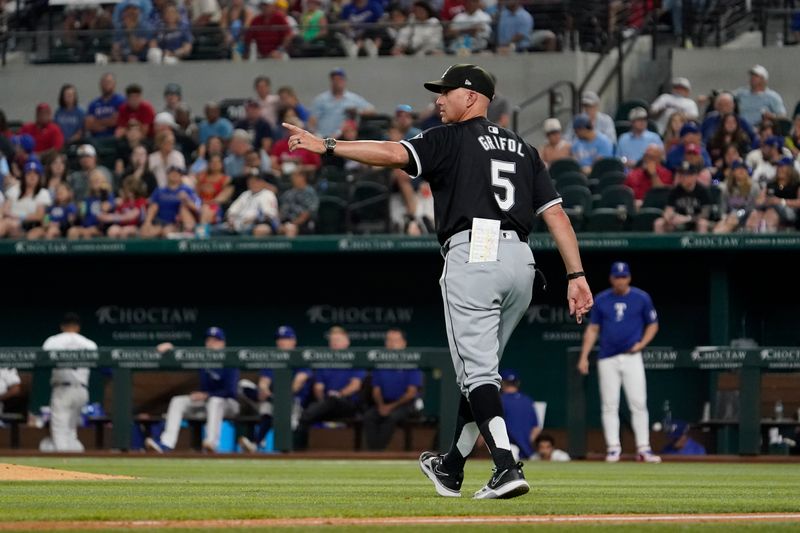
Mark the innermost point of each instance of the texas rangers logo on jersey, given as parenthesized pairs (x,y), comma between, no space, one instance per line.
(619,309)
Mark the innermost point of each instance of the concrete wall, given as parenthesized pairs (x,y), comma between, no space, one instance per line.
(727,69)
(385,81)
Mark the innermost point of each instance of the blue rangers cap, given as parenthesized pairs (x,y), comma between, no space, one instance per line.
(509,375)
(285,332)
(33,165)
(215,332)
(620,270)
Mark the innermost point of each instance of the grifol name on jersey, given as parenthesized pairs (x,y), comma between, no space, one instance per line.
(497,142)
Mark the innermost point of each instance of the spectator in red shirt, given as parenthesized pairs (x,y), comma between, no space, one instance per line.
(650,173)
(46,134)
(137,108)
(286,160)
(270,31)
(129,210)
(450,9)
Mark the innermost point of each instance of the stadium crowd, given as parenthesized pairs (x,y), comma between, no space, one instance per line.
(665,166)
(125,166)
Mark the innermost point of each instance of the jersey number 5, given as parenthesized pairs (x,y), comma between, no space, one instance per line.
(507,200)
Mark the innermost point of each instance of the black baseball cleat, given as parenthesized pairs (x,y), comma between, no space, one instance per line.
(504,484)
(446,483)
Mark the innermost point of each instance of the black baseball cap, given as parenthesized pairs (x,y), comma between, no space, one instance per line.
(465,76)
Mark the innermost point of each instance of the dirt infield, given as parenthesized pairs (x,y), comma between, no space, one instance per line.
(11,472)
(401,521)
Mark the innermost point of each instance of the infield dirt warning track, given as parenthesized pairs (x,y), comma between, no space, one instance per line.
(404,521)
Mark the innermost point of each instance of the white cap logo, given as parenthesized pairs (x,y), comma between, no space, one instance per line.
(467,82)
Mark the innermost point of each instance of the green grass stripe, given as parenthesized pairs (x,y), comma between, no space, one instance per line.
(175,489)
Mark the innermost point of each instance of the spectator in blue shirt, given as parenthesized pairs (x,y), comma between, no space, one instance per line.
(216,395)
(725,104)
(258,128)
(171,208)
(289,98)
(132,36)
(758,102)
(357,18)
(632,144)
(395,394)
(69,115)
(336,392)
(214,125)
(519,414)
(590,145)
(680,443)
(102,114)
(690,135)
(514,28)
(330,109)
(173,36)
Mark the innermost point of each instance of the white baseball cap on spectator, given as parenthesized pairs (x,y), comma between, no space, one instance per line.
(590,98)
(552,125)
(87,150)
(637,113)
(165,119)
(759,70)
(682,82)
(241,135)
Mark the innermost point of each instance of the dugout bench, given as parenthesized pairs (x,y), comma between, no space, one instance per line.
(749,362)
(124,361)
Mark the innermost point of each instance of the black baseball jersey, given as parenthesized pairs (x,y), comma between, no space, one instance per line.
(477,169)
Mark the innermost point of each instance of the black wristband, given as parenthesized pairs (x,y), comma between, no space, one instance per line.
(575,275)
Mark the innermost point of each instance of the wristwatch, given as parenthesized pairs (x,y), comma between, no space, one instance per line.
(330,145)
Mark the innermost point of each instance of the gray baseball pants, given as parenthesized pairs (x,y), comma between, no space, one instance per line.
(483,303)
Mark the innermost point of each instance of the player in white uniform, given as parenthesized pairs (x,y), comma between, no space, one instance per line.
(70,389)
(9,385)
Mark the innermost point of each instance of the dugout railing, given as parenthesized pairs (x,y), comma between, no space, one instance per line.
(123,362)
(750,363)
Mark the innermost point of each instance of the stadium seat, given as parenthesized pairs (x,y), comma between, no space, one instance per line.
(569,179)
(605,219)
(233,108)
(607,164)
(644,219)
(577,203)
(608,179)
(331,215)
(562,166)
(106,150)
(626,106)
(369,208)
(334,188)
(621,127)
(783,126)
(374,128)
(615,196)
(656,197)
(333,174)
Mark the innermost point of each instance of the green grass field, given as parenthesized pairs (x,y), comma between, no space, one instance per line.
(180,489)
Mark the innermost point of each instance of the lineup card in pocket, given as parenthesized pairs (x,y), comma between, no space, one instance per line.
(484,240)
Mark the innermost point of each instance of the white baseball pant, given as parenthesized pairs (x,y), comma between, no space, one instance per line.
(216,408)
(626,370)
(66,402)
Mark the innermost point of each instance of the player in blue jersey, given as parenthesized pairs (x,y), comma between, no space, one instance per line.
(395,393)
(680,443)
(336,394)
(519,414)
(625,320)
(216,396)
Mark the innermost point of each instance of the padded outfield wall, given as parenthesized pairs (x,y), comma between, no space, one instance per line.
(708,290)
